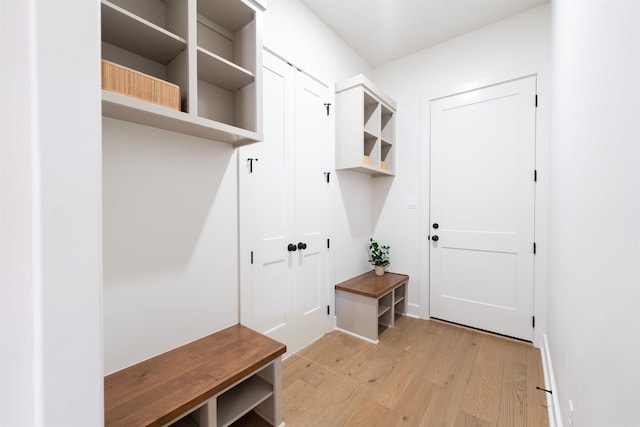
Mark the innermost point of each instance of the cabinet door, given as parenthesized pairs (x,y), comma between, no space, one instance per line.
(283,201)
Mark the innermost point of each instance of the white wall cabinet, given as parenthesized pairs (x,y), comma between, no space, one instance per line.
(365,128)
(212,49)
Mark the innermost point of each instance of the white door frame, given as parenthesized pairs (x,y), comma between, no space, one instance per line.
(541,191)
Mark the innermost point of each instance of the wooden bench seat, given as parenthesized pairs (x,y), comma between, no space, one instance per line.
(164,388)
(366,301)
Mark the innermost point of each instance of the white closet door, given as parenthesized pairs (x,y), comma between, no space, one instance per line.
(311,136)
(283,202)
(266,187)
(482,208)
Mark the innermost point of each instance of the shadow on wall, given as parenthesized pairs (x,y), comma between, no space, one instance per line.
(355,197)
(363,198)
(381,189)
(158,192)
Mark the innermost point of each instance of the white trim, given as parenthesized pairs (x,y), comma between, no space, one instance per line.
(415,316)
(36,219)
(414,310)
(311,76)
(358,336)
(555,416)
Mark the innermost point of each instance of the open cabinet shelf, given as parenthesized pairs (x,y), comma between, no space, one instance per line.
(365,128)
(235,403)
(137,35)
(219,72)
(210,49)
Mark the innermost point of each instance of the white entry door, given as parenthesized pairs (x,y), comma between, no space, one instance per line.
(482,208)
(283,203)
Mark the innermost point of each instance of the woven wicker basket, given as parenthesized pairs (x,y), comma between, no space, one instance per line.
(120,79)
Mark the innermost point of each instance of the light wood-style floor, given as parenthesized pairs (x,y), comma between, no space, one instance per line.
(422,373)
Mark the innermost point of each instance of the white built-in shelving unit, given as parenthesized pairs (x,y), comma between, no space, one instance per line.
(365,128)
(211,49)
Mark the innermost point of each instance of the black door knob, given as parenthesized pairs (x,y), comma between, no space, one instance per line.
(435,238)
(291,247)
(435,225)
(302,245)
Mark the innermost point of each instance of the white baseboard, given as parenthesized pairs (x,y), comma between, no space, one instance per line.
(555,415)
(357,336)
(413,310)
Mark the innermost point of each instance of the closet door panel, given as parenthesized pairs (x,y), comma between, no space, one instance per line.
(267,215)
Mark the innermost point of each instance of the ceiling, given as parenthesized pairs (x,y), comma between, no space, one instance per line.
(384,30)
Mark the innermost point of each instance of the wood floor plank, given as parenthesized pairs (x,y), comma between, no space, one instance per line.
(422,373)
(302,368)
(467,420)
(412,403)
(456,346)
(512,409)
(377,366)
(370,414)
(448,404)
(339,351)
(392,388)
(481,397)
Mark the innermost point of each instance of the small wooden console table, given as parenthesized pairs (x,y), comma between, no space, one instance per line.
(367,300)
(209,382)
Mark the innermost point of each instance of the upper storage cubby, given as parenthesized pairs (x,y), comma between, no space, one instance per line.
(209,51)
(226,56)
(365,128)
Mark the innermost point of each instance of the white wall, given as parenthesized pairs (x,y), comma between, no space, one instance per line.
(512,48)
(170,240)
(594,268)
(50,253)
(170,213)
(297,35)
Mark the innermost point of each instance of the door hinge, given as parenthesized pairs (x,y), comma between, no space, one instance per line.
(535,175)
(328,310)
(536,100)
(533,321)
(252,257)
(534,248)
(327,106)
(328,243)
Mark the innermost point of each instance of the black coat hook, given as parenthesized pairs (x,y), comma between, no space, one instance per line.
(250,160)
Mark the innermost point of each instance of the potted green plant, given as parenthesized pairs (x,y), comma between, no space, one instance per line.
(378,256)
